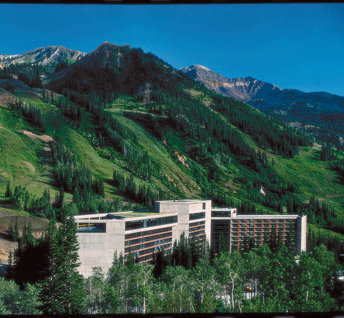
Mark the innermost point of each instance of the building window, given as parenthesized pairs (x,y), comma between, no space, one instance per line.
(196,216)
(138,224)
(219,214)
(91,227)
(220,234)
(203,205)
(147,233)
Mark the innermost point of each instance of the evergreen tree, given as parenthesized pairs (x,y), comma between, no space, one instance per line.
(49,294)
(8,192)
(70,281)
(16,231)
(62,291)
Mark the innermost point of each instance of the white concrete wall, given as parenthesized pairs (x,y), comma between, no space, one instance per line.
(301,234)
(97,249)
(183,208)
(208,220)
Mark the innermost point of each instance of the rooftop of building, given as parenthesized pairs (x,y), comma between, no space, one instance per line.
(223,209)
(259,216)
(134,214)
(184,201)
(118,215)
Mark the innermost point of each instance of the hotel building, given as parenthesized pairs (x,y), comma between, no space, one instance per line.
(235,228)
(145,233)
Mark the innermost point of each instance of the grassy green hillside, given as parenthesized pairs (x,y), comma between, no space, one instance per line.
(25,159)
(26,155)
(145,131)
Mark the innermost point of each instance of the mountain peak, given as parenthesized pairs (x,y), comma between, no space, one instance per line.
(106,44)
(244,89)
(202,67)
(48,56)
(195,67)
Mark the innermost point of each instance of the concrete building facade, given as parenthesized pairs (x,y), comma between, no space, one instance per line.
(235,229)
(145,233)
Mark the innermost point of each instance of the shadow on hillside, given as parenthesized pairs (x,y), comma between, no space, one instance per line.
(317,155)
(46,162)
(111,183)
(339,177)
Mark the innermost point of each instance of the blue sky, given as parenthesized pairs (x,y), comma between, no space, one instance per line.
(298,46)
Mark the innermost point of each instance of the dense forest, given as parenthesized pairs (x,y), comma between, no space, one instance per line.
(187,279)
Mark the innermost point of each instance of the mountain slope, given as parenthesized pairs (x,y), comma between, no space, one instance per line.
(259,93)
(244,89)
(47,57)
(296,107)
(130,122)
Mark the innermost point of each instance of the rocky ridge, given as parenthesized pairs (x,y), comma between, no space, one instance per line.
(48,56)
(260,94)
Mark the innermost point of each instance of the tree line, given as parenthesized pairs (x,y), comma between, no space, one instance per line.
(31,113)
(188,279)
(27,73)
(50,265)
(112,134)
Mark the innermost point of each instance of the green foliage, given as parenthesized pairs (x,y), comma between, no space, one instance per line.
(60,66)
(277,281)
(8,192)
(36,80)
(327,153)
(31,113)
(206,130)
(95,290)
(29,259)
(70,176)
(16,231)
(24,200)
(62,290)
(12,302)
(228,147)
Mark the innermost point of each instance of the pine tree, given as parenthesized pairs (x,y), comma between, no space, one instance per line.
(8,192)
(70,281)
(30,238)
(62,291)
(16,231)
(10,268)
(11,229)
(48,291)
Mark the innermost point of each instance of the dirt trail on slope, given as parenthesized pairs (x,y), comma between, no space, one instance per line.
(45,155)
(30,166)
(45,138)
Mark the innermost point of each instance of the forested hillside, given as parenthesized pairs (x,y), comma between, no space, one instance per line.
(129,129)
(319,114)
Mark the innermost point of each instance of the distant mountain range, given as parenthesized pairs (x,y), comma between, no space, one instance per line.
(294,104)
(48,57)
